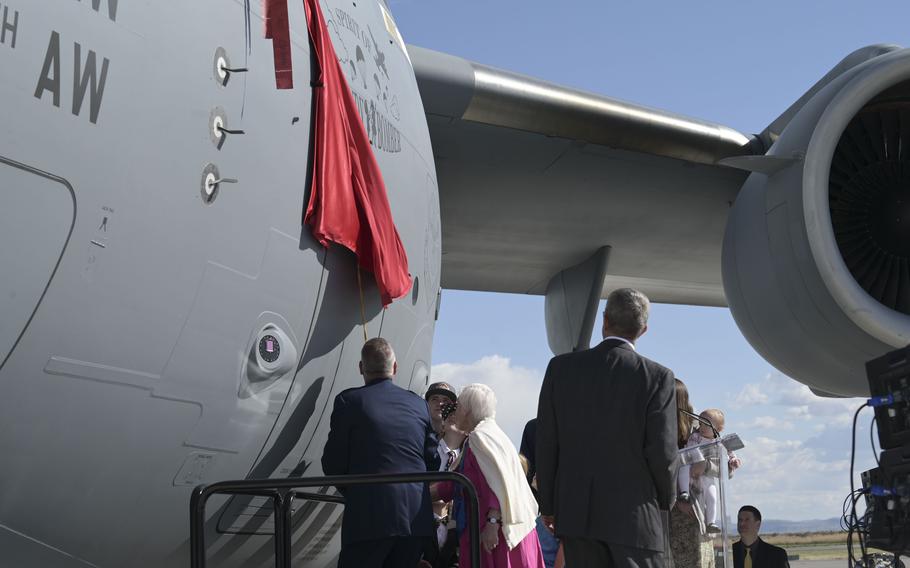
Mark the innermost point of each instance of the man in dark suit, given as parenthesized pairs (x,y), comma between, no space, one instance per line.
(381,428)
(606,445)
(528,449)
(441,398)
(750,551)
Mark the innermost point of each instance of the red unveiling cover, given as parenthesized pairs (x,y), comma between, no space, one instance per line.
(348,202)
(277,29)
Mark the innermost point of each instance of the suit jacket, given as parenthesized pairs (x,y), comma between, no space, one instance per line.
(529,447)
(764,555)
(606,445)
(381,428)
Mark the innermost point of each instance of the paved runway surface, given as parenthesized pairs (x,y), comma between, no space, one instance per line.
(819,564)
(842,563)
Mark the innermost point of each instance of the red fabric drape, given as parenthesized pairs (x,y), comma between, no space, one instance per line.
(348,201)
(277,28)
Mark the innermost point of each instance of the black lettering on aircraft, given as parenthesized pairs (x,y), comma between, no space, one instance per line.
(81,82)
(51,63)
(348,22)
(111,8)
(85,78)
(382,133)
(7,27)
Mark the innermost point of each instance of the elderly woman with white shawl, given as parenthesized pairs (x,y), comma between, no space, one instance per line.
(508,510)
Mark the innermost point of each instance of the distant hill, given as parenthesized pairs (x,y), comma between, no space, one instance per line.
(815,525)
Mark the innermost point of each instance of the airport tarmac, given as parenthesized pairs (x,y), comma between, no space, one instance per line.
(842,563)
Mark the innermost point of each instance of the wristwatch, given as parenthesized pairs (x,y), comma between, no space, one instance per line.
(494,520)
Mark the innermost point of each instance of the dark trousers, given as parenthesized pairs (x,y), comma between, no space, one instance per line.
(591,553)
(445,556)
(392,552)
(448,554)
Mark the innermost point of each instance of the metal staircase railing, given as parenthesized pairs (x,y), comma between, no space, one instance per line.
(283,492)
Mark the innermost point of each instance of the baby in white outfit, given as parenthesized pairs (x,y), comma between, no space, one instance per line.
(707,484)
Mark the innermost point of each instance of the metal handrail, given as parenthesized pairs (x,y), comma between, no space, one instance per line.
(283,491)
(321,497)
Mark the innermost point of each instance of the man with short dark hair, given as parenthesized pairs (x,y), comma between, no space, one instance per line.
(441,399)
(438,396)
(381,428)
(606,446)
(750,551)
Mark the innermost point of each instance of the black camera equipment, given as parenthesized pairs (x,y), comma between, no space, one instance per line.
(889,385)
(886,524)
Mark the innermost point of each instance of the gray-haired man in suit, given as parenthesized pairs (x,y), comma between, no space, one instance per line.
(606,445)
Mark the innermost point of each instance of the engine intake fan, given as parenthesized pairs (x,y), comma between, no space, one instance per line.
(816,259)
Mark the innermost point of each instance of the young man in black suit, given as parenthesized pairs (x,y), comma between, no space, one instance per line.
(606,446)
(381,428)
(750,551)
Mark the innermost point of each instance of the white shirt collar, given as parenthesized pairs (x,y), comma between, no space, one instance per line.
(443,450)
(623,339)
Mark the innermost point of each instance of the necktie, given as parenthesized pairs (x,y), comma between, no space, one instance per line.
(747,563)
(451,460)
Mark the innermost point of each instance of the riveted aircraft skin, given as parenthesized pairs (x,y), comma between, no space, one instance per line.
(135,291)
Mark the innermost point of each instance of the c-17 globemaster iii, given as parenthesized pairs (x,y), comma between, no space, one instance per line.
(167,319)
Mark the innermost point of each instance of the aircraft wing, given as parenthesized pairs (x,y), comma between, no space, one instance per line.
(534,178)
(549,190)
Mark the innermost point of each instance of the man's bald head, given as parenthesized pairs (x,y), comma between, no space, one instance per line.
(377,359)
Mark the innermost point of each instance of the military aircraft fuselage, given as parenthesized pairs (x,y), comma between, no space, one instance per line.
(166,318)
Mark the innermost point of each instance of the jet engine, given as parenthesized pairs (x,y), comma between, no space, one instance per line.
(816,255)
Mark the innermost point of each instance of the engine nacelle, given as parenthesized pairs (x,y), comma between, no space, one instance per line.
(816,257)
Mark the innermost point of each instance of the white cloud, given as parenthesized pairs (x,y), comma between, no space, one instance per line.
(750,395)
(517,388)
(795,400)
(790,479)
(766,423)
(800,412)
(796,459)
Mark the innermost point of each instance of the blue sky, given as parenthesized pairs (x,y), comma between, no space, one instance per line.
(737,63)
